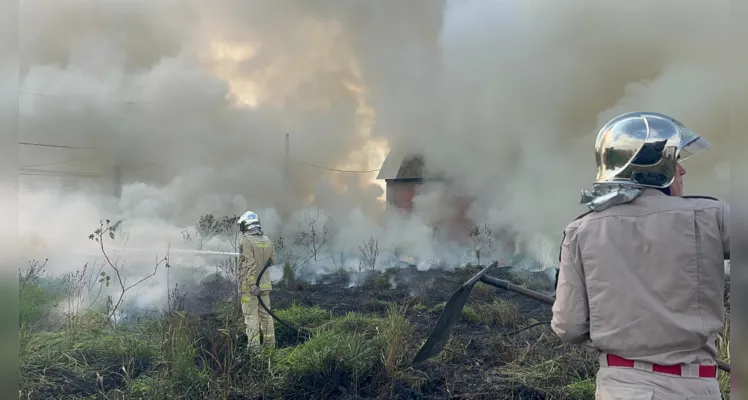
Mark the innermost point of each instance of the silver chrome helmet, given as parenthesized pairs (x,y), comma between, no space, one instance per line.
(643,148)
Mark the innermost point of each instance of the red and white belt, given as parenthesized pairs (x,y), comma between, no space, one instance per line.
(684,370)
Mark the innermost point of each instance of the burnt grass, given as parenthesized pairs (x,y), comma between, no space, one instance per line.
(356,343)
(421,293)
(362,342)
(471,364)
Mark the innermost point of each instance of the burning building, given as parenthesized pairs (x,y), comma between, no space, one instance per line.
(406,176)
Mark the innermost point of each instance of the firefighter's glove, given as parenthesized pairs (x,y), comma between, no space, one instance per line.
(254,290)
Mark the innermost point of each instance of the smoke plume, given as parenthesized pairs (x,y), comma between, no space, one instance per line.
(192,101)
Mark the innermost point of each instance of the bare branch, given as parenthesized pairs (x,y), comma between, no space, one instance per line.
(207,228)
(370,252)
(483,240)
(99,235)
(314,237)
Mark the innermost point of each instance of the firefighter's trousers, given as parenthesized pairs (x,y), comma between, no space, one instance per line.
(257,320)
(632,384)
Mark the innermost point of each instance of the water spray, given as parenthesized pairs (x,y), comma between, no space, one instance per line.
(188,251)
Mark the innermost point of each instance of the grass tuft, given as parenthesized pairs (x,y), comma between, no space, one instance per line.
(723,352)
(583,389)
(299,316)
(499,312)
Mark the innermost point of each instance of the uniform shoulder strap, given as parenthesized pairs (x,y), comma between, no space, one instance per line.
(555,284)
(700,197)
(564,236)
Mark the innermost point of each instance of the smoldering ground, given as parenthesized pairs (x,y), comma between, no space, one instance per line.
(193,101)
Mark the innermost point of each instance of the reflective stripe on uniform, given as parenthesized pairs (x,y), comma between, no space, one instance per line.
(254,338)
(253,280)
(685,370)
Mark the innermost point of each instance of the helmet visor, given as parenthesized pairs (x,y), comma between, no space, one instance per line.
(692,144)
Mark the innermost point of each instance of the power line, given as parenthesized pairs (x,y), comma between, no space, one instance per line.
(75,174)
(56,163)
(60,146)
(46,172)
(337,170)
(80,97)
(61,175)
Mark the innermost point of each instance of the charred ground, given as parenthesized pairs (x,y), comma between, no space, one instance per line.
(363,339)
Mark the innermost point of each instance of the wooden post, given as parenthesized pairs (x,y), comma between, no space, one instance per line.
(118,180)
(287,165)
(287,192)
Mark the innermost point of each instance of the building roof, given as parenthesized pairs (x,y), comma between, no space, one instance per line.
(403,164)
(391,165)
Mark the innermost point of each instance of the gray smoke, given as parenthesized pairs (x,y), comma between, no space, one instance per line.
(193,101)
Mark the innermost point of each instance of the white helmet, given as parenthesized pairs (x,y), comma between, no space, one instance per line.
(249,221)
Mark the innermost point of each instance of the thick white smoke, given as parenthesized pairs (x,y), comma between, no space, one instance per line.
(193,102)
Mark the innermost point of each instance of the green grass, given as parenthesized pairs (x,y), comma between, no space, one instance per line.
(499,312)
(723,349)
(296,315)
(178,356)
(483,293)
(185,357)
(552,368)
(438,308)
(530,281)
(36,300)
(331,354)
(380,280)
(583,389)
(148,359)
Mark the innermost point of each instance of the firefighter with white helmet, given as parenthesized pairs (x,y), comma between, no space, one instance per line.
(641,275)
(255,251)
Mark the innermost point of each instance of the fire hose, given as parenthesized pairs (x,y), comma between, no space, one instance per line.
(308,334)
(288,325)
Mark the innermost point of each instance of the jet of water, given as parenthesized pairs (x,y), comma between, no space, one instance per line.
(189,251)
(156,251)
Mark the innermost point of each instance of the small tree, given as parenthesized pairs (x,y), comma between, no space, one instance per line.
(207,228)
(176,298)
(84,286)
(314,236)
(370,251)
(288,255)
(482,239)
(358,273)
(229,230)
(101,234)
(338,261)
(541,254)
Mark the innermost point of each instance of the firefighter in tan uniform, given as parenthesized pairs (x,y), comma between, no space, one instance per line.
(255,250)
(641,276)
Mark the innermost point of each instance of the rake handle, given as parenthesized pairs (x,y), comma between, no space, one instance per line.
(502,284)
